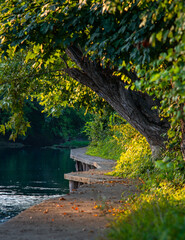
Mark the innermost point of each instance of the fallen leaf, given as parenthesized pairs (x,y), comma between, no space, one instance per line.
(46,211)
(62,199)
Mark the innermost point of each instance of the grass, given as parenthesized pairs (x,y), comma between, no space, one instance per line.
(150,218)
(107,148)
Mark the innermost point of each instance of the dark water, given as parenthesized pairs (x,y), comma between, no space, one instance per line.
(29,176)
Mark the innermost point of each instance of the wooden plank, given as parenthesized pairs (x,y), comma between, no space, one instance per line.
(87,175)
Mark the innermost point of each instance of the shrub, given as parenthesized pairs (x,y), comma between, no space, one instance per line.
(135,158)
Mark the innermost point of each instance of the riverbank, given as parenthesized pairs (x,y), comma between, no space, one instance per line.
(83,214)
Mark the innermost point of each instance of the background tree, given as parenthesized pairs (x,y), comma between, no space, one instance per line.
(48,130)
(129,53)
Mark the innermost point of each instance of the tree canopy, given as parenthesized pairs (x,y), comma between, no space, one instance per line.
(140,42)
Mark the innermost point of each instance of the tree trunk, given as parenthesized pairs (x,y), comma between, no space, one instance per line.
(133,106)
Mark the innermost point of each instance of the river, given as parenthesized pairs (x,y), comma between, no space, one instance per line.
(29,176)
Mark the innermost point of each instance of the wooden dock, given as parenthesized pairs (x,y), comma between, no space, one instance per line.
(89,169)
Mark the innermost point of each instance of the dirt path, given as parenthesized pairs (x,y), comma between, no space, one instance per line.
(71,218)
(83,214)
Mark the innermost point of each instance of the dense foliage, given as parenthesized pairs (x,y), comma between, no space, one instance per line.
(47,130)
(20,84)
(140,40)
(103,134)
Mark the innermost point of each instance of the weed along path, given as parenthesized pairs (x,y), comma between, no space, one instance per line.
(82,214)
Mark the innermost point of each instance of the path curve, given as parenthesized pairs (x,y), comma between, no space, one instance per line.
(73,217)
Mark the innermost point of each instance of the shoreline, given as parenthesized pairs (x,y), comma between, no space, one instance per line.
(82,214)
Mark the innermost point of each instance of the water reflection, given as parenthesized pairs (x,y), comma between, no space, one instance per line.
(28,176)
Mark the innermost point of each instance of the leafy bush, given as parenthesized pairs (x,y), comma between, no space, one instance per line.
(135,158)
(105,135)
(122,143)
(96,129)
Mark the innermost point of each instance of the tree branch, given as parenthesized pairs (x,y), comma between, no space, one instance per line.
(135,107)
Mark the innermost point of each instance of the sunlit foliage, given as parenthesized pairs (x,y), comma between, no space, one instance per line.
(142,36)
